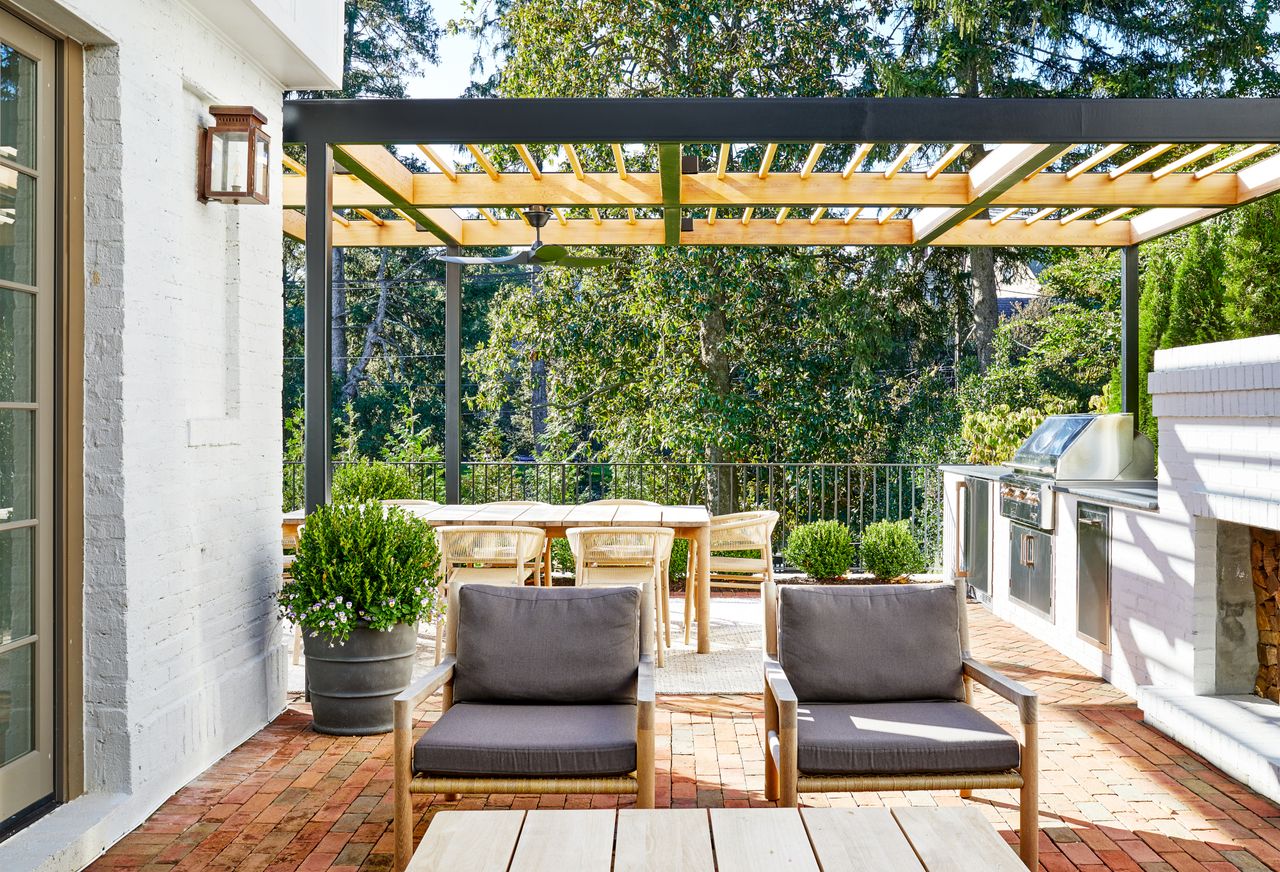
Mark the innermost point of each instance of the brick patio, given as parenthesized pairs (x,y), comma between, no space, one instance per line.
(1114,793)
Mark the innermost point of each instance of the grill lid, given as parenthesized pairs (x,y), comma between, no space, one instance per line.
(1086,448)
(1044,447)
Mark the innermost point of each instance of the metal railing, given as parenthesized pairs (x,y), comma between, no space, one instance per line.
(856,494)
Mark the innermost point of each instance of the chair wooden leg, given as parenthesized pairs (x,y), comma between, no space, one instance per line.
(402,820)
(966,793)
(1029,801)
(297,645)
(645,770)
(660,649)
(439,638)
(770,726)
(666,609)
(788,797)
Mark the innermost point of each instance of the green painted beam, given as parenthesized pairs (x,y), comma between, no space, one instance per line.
(373,180)
(669,167)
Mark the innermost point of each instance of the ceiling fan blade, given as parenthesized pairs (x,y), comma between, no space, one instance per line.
(586,261)
(518,257)
(549,253)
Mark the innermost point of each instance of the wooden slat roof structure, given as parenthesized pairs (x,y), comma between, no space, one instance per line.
(1171,163)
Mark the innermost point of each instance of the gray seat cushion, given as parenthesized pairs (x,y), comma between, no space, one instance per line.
(896,738)
(473,739)
(547,645)
(870,643)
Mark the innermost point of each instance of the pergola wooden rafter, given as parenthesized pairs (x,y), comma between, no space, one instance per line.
(1111,173)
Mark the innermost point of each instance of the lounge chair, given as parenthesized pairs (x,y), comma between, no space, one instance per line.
(546,690)
(868,688)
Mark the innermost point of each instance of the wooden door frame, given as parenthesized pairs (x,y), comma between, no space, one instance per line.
(68,409)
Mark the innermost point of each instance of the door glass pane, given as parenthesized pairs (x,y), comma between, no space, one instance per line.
(17,711)
(17,346)
(17,227)
(17,463)
(17,106)
(16,582)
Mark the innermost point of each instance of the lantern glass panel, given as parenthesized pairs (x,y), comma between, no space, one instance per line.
(260,164)
(229,162)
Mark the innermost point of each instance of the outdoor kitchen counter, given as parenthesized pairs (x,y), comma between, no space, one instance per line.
(1140,495)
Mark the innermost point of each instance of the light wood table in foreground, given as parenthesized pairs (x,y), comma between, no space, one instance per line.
(688,522)
(956,839)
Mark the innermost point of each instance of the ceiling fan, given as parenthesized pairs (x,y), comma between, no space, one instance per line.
(537,254)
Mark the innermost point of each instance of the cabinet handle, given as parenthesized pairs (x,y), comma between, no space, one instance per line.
(962,487)
(1028,550)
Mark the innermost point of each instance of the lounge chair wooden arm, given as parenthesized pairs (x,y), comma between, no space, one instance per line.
(1015,692)
(414,694)
(644,681)
(782,691)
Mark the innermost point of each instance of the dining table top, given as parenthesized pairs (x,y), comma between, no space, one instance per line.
(552,515)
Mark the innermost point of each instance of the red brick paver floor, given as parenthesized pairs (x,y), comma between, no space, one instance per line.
(1115,794)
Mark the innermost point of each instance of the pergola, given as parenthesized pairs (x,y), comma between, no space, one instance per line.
(1112,173)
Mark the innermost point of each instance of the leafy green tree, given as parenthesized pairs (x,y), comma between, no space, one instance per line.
(1024,48)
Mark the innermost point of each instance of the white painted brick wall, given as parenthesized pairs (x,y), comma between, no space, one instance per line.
(183,332)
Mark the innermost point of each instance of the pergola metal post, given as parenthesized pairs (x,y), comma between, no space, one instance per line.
(453,379)
(319,311)
(1129,331)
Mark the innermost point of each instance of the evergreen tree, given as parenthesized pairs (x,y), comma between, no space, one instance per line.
(1196,299)
(1253,270)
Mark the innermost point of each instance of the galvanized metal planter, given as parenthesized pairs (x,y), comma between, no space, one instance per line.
(352,684)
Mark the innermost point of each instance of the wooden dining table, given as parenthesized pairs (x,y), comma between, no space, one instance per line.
(688,522)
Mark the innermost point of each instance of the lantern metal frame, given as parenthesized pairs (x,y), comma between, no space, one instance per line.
(235,119)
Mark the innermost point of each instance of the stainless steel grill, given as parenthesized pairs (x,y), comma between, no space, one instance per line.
(1073,450)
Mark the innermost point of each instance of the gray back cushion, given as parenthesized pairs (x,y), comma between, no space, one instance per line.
(547,645)
(870,643)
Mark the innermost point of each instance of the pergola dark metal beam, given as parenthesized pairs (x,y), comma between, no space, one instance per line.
(324,124)
(783,120)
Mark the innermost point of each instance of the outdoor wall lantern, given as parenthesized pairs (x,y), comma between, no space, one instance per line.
(235,156)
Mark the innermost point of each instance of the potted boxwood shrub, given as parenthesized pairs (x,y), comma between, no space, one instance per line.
(890,552)
(822,550)
(362,579)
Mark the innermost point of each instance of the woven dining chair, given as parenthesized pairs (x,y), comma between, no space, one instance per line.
(487,554)
(662,602)
(623,556)
(741,531)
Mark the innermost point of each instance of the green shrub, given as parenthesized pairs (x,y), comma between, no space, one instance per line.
(822,550)
(357,563)
(371,480)
(889,551)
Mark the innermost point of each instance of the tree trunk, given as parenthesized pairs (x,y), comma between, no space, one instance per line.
(338,319)
(538,387)
(711,334)
(986,312)
(372,333)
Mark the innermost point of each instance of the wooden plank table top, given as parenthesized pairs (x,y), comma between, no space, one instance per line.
(951,839)
(688,522)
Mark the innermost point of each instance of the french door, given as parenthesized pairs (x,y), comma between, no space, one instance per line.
(28,135)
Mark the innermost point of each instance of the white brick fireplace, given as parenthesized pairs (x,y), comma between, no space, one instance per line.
(1219,473)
